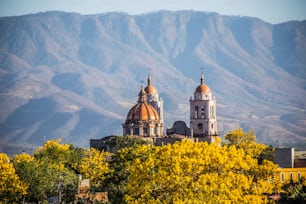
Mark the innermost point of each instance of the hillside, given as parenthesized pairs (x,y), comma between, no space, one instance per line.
(75,76)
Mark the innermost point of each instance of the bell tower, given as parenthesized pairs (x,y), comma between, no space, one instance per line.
(203,121)
(153,99)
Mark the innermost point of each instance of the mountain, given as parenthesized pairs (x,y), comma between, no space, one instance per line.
(71,76)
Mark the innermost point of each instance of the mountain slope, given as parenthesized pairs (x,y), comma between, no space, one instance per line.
(75,76)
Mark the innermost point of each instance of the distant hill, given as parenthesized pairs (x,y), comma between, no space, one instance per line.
(75,76)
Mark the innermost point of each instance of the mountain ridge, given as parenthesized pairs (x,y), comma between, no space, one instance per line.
(90,67)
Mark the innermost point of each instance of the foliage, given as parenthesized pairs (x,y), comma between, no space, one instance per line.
(52,171)
(95,167)
(268,153)
(29,171)
(116,180)
(245,141)
(11,187)
(185,172)
(198,172)
(294,192)
(119,142)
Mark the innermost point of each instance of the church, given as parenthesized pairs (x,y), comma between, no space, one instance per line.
(145,119)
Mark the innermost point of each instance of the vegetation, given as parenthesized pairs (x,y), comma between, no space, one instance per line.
(294,192)
(238,171)
(198,172)
(12,188)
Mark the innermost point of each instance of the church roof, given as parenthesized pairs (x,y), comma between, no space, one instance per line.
(150,89)
(142,111)
(202,88)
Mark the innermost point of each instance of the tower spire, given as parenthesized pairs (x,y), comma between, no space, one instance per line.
(149,77)
(202,75)
(142,96)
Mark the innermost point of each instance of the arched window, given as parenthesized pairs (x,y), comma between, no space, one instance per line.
(145,131)
(200,126)
(136,132)
(203,112)
(196,112)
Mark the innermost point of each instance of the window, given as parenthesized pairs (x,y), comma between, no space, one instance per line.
(200,126)
(196,112)
(299,176)
(283,177)
(145,131)
(291,176)
(203,112)
(136,131)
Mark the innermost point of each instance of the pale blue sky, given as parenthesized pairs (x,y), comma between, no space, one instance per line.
(273,11)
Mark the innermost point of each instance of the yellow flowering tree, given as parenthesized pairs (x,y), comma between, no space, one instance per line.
(189,172)
(12,188)
(95,167)
(246,141)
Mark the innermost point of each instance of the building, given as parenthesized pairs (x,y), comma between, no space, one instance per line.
(154,100)
(292,164)
(145,119)
(203,120)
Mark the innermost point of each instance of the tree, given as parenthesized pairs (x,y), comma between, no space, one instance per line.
(116,179)
(28,171)
(294,192)
(95,167)
(246,141)
(12,189)
(57,166)
(189,172)
(115,143)
(51,172)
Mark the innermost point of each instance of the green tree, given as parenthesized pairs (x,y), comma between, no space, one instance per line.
(51,172)
(119,142)
(58,164)
(116,179)
(28,171)
(294,192)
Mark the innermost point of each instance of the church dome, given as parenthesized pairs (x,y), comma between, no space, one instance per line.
(142,111)
(202,88)
(150,89)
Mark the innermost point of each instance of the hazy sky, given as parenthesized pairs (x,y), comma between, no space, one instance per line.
(273,11)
